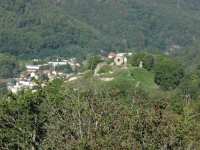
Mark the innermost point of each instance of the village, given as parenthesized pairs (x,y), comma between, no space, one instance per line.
(60,68)
(67,69)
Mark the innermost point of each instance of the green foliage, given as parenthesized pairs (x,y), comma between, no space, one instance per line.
(130,112)
(22,122)
(133,77)
(90,115)
(38,29)
(3,87)
(46,28)
(92,62)
(190,86)
(177,104)
(105,69)
(140,24)
(144,78)
(146,59)
(168,73)
(156,126)
(122,85)
(8,66)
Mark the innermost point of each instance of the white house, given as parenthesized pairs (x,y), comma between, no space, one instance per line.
(34,68)
(120,60)
(111,55)
(57,63)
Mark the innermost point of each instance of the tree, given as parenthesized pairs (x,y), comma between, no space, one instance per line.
(152,129)
(8,66)
(148,62)
(168,74)
(92,62)
(87,114)
(147,59)
(22,121)
(3,88)
(190,86)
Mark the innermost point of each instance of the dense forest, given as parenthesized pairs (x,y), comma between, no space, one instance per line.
(73,27)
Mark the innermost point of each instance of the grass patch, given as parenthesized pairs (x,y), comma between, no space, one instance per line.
(144,77)
(137,76)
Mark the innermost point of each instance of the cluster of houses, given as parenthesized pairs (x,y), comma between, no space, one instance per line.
(44,72)
(48,71)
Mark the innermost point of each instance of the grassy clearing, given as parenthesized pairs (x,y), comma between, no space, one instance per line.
(137,76)
(144,77)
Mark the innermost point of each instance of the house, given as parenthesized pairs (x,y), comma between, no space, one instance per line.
(124,54)
(57,63)
(34,68)
(49,71)
(112,55)
(120,60)
(34,75)
(121,54)
(20,85)
(15,88)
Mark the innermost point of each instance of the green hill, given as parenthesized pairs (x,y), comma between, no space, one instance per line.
(141,23)
(40,28)
(75,27)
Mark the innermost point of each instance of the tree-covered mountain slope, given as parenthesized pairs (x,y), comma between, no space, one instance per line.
(41,28)
(76,27)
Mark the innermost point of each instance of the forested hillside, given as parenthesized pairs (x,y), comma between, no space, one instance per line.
(141,24)
(141,99)
(41,28)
